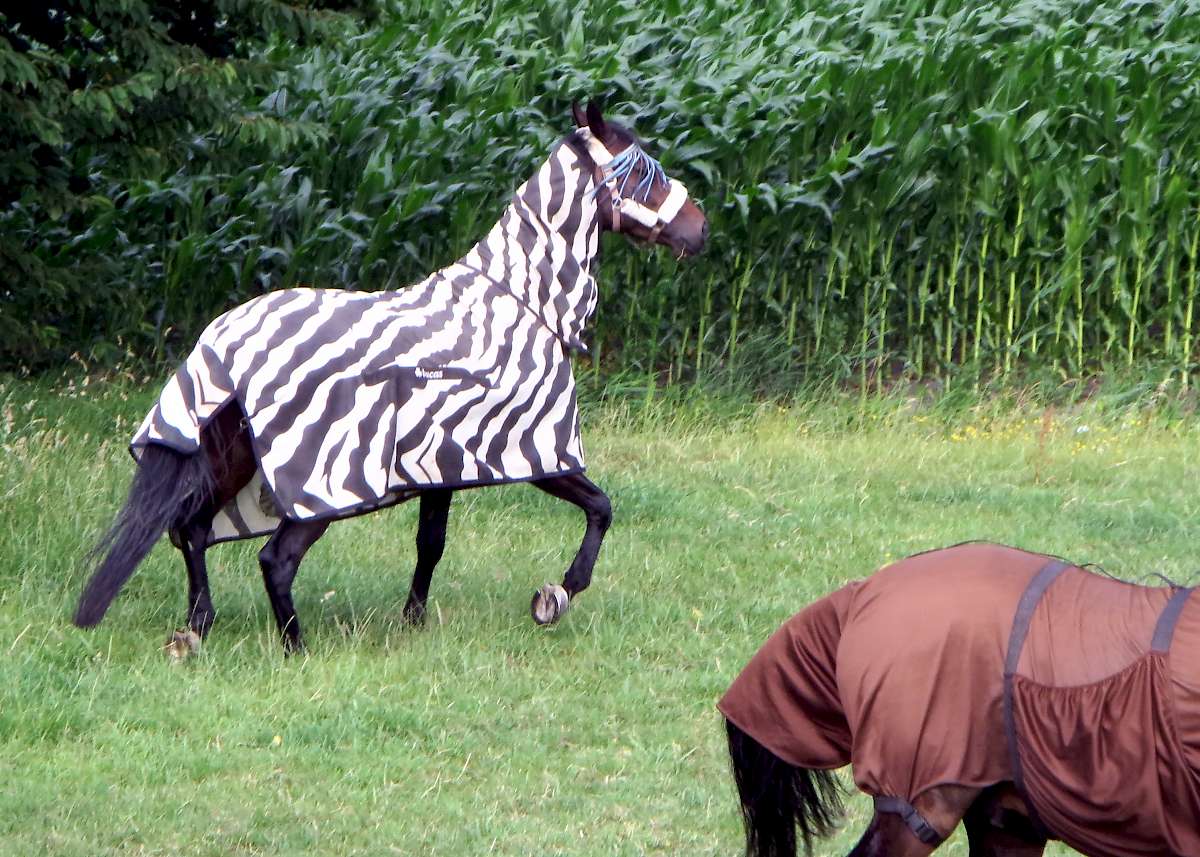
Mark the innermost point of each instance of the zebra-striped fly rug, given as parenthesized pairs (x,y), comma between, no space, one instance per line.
(358,400)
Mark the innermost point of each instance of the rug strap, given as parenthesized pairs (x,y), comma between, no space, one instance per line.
(1165,629)
(916,822)
(1016,642)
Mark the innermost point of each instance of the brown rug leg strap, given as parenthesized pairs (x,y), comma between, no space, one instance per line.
(1165,629)
(916,822)
(1016,642)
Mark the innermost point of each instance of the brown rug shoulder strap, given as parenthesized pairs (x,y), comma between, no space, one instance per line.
(1030,599)
(1016,643)
(1165,629)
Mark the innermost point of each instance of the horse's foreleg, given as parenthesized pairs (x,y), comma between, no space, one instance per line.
(431,541)
(998,825)
(551,601)
(899,829)
(280,559)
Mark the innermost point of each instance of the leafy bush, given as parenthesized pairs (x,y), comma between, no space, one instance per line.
(101,92)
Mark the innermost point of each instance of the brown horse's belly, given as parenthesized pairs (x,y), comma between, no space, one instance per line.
(1107,728)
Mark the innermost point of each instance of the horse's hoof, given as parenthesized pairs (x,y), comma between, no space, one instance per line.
(413,616)
(182,645)
(549,604)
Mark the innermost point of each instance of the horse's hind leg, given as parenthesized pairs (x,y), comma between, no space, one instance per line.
(889,836)
(551,601)
(917,829)
(431,541)
(226,443)
(191,543)
(280,559)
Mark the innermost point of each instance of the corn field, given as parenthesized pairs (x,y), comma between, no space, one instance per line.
(893,187)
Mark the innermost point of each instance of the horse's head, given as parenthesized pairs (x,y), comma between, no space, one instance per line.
(634,194)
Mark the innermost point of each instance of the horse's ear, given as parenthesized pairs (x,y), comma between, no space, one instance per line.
(578,115)
(595,120)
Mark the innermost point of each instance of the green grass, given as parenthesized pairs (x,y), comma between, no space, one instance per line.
(483,734)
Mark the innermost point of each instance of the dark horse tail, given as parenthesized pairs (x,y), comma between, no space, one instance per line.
(168,489)
(779,799)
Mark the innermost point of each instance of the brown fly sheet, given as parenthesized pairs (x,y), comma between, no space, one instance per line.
(981,664)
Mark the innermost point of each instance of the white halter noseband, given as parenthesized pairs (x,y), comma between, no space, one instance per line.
(629,206)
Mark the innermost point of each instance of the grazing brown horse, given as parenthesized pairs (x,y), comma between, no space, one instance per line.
(1023,696)
(304,406)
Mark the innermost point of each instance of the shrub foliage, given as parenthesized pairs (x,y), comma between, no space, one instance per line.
(96,94)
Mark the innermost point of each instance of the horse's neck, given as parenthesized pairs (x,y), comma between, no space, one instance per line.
(543,249)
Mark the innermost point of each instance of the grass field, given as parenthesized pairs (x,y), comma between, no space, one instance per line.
(483,734)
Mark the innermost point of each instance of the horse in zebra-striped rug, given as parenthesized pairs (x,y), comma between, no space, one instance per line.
(303,406)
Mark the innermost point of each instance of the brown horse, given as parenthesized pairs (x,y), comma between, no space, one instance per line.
(304,406)
(1023,696)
